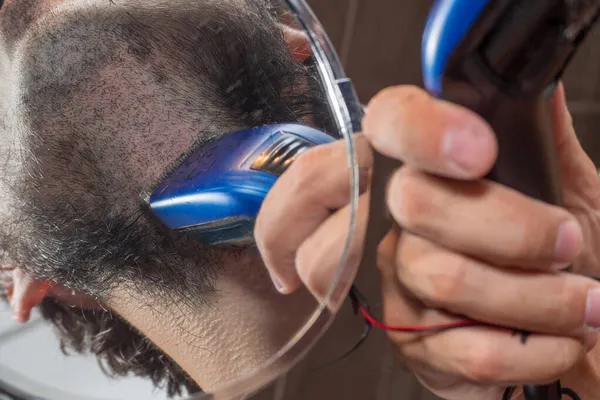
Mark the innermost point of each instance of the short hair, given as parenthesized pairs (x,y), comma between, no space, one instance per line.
(218,66)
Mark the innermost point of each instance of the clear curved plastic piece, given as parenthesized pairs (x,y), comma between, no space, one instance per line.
(346,111)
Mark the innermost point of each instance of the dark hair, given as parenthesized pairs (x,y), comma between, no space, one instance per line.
(83,227)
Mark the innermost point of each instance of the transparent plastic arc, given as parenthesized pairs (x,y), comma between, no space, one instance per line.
(346,110)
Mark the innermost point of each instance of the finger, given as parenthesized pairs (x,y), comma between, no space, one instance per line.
(560,304)
(495,356)
(580,181)
(572,158)
(320,256)
(433,135)
(314,185)
(401,307)
(478,354)
(485,220)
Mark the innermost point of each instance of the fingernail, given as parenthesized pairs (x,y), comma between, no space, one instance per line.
(568,242)
(592,311)
(463,149)
(279,285)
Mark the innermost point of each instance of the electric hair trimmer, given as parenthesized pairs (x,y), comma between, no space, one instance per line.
(215,191)
(503,59)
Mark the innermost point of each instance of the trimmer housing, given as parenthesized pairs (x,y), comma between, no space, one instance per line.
(503,59)
(215,193)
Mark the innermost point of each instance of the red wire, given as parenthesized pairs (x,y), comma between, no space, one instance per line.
(414,329)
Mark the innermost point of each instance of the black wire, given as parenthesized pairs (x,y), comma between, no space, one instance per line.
(356,299)
(346,354)
(565,392)
(508,393)
(571,393)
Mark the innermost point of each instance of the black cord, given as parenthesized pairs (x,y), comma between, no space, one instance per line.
(564,391)
(508,393)
(355,299)
(571,393)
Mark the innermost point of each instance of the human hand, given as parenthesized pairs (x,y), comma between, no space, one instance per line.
(474,248)
(470,248)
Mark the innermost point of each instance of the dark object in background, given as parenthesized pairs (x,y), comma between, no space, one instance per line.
(380,43)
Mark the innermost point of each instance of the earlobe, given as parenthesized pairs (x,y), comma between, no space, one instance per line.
(298,42)
(26,293)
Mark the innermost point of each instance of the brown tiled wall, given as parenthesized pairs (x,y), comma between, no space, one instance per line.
(384,49)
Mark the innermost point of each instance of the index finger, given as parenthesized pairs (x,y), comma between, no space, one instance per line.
(432,135)
(314,186)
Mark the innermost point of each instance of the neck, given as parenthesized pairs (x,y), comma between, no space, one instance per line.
(242,325)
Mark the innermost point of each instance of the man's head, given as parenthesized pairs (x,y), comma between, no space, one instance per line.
(99,98)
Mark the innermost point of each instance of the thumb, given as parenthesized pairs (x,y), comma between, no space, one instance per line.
(578,173)
(581,186)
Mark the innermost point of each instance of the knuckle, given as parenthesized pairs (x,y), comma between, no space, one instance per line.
(528,244)
(410,205)
(304,259)
(448,284)
(566,356)
(307,258)
(398,94)
(385,258)
(483,363)
(537,240)
(407,349)
(569,306)
(307,165)
(418,268)
(387,105)
(308,169)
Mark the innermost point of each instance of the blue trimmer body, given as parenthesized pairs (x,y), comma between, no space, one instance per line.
(216,192)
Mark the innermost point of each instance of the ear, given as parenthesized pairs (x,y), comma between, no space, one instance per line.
(25,293)
(298,42)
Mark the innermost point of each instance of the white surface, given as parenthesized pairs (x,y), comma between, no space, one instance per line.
(31,360)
